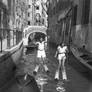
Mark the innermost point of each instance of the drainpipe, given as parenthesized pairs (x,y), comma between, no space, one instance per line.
(1,29)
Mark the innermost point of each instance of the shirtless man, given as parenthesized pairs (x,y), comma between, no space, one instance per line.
(61,56)
(41,55)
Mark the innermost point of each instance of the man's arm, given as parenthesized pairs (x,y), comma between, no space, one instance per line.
(45,45)
(45,42)
(67,49)
(56,54)
(57,51)
(36,43)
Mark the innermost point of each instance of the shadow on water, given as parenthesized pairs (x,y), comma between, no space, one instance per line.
(7,69)
(12,83)
(21,85)
(28,85)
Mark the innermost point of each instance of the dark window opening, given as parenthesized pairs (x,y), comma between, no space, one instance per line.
(28,22)
(29,6)
(85,14)
(74,18)
(28,14)
(37,7)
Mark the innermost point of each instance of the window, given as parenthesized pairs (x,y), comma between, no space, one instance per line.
(74,15)
(28,14)
(37,7)
(28,22)
(29,6)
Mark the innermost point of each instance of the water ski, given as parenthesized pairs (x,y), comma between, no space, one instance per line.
(64,76)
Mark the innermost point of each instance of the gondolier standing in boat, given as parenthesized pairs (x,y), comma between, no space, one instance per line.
(41,55)
(61,57)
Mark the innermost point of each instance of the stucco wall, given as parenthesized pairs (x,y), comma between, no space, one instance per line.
(89,41)
(82,35)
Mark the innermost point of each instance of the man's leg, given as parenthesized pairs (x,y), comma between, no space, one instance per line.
(46,68)
(57,75)
(57,71)
(37,67)
(64,76)
(59,66)
(44,64)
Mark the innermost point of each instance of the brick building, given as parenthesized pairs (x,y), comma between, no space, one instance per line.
(20,14)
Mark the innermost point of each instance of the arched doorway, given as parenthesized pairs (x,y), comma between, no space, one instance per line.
(33,34)
(34,37)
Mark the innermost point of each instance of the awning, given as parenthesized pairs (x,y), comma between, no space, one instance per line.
(64,13)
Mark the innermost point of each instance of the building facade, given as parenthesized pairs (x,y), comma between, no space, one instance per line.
(20,14)
(12,22)
(6,21)
(30,12)
(4,13)
(37,12)
(71,18)
(56,17)
(41,12)
(82,23)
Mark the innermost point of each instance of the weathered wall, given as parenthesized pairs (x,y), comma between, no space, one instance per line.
(55,27)
(82,31)
(79,35)
(90,28)
(79,11)
(89,40)
(82,35)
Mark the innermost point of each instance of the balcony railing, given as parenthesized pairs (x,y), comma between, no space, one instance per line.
(9,38)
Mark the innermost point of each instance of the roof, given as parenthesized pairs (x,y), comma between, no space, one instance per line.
(64,13)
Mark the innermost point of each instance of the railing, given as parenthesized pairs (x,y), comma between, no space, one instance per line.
(9,38)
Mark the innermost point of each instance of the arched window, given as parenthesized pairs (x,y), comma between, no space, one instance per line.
(37,7)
